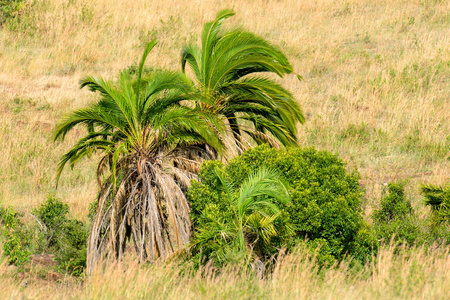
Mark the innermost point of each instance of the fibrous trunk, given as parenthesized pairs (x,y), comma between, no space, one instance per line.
(146,207)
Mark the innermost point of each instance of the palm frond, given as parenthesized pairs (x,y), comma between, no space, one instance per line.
(435,195)
(264,182)
(225,68)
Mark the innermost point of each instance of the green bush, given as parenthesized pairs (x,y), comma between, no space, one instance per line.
(51,216)
(53,233)
(394,205)
(325,199)
(17,242)
(397,221)
(249,223)
(65,238)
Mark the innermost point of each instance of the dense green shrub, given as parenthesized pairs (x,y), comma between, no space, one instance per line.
(393,205)
(52,233)
(325,198)
(65,238)
(248,221)
(17,242)
(397,221)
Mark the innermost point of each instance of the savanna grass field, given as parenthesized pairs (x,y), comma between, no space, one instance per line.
(375,90)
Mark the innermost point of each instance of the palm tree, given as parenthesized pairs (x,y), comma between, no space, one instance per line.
(148,140)
(225,70)
(251,219)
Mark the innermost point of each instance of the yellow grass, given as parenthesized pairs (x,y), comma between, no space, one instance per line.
(409,275)
(376,85)
(376,90)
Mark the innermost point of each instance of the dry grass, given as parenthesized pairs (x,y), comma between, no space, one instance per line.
(376,90)
(415,274)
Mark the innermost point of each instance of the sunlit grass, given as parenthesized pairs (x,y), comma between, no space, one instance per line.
(410,274)
(375,90)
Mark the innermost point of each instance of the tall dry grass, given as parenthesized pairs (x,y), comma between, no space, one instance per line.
(376,90)
(413,274)
(376,85)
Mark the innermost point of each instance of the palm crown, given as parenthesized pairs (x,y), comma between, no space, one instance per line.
(224,69)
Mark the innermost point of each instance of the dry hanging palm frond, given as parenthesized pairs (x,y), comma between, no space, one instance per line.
(148,208)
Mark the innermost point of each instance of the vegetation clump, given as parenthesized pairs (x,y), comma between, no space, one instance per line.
(438,198)
(394,205)
(324,208)
(53,233)
(243,224)
(396,220)
(61,236)
(16,237)
(154,128)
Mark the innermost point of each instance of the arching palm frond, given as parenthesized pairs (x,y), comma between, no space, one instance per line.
(255,209)
(151,144)
(225,70)
(438,197)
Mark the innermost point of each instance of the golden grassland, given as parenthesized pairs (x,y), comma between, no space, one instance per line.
(412,274)
(409,275)
(375,90)
(376,85)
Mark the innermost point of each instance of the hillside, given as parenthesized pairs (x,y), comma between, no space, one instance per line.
(375,87)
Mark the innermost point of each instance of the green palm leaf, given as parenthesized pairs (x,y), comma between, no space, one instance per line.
(255,209)
(224,69)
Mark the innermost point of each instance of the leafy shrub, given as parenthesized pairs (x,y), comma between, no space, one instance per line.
(397,221)
(393,205)
(65,238)
(438,198)
(17,237)
(15,251)
(56,234)
(248,221)
(71,254)
(325,198)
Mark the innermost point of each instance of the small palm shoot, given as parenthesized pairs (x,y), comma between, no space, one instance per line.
(438,197)
(254,210)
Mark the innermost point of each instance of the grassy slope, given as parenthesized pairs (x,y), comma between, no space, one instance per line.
(376,85)
(376,81)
